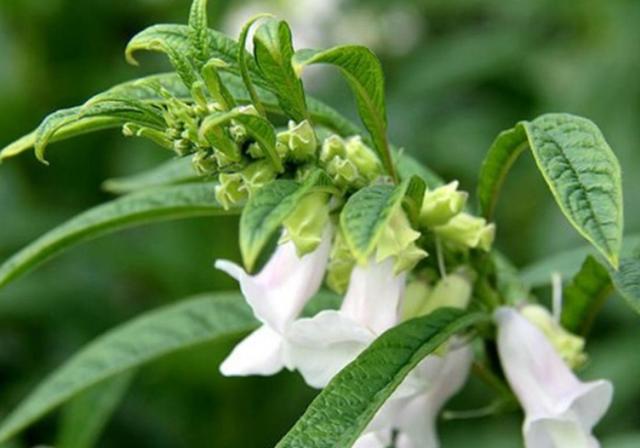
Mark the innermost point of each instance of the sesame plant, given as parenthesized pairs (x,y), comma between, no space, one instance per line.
(362,269)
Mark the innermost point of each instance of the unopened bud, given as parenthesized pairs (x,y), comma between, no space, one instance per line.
(306,225)
(467,231)
(230,191)
(442,204)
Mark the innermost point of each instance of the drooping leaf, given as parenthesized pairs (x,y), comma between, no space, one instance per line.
(268,208)
(583,298)
(627,280)
(501,155)
(159,204)
(148,337)
(174,171)
(199,31)
(579,167)
(85,417)
(273,53)
(344,408)
(369,210)
(363,72)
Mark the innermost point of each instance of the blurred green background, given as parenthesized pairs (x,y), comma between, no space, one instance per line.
(458,72)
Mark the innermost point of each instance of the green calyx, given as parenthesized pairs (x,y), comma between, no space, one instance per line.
(307,224)
(341,263)
(398,240)
(350,163)
(235,188)
(569,346)
(298,143)
(442,204)
(467,231)
(453,291)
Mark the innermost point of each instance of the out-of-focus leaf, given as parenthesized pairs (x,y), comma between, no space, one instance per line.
(174,171)
(363,72)
(344,408)
(579,167)
(584,296)
(268,208)
(85,417)
(273,54)
(159,204)
(627,280)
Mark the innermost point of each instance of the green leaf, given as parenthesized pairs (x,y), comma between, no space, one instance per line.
(259,128)
(344,408)
(627,280)
(268,208)
(85,417)
(242,62)
(174,171)
(199,31)
(583,298)
(160,204)
(408,167)
(500,158)
(579,167)
(368,211)
(363,72)
(144,339)
(273,54)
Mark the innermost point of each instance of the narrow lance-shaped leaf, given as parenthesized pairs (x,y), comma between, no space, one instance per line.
(198,25)
(363,72)
(243,64)
(273,53)
(579,167)
(85,417)
(344,408)
(369,210)
(174,171)
(148,337)
(268,208)
(160,204)
(583,298)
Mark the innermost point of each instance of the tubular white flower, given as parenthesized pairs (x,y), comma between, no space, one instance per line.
(276,295)
(561,410)
(322,345)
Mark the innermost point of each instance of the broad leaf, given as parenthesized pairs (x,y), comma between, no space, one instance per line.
(85,417)
(148,337)
(148,206)
(583,298)
(369,210)
(264,213)
(273,54)
(174,171)
(363,72)
(579,167)
(344,408)
(627,280)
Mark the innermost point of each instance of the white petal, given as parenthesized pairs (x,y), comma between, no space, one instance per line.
(379,439)
(555,401)
(279,292)
(373,296)
(260,353)
(322,345)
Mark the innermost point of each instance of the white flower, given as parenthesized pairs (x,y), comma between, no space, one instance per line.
(276,295)
(560,409)
(322,345)
(414,407)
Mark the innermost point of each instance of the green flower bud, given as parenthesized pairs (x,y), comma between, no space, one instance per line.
(332,147)
(364,158)
(452,291)
(306,225)
(344,173)
(569,346)
(204,162)
(442,204)
(467,231)
(415,297)
(350,163)
(156,136)
(398,240)
(341,263)
(300,141)
(231,190)
(256,175)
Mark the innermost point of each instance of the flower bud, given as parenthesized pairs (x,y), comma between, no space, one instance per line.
(467,231)
(300,141)
(398,240)
(569,346)
(306,225)
(204,162)
(364,158)
(256,175)
(350,163)
(341,263)
(442,204)
(230,191)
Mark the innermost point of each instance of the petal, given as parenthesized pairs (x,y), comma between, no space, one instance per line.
(279,292)
(546,388)
(260,353)
(378,439)
(322,345)
(373,296)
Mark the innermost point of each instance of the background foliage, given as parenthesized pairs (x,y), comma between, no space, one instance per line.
(467,70)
